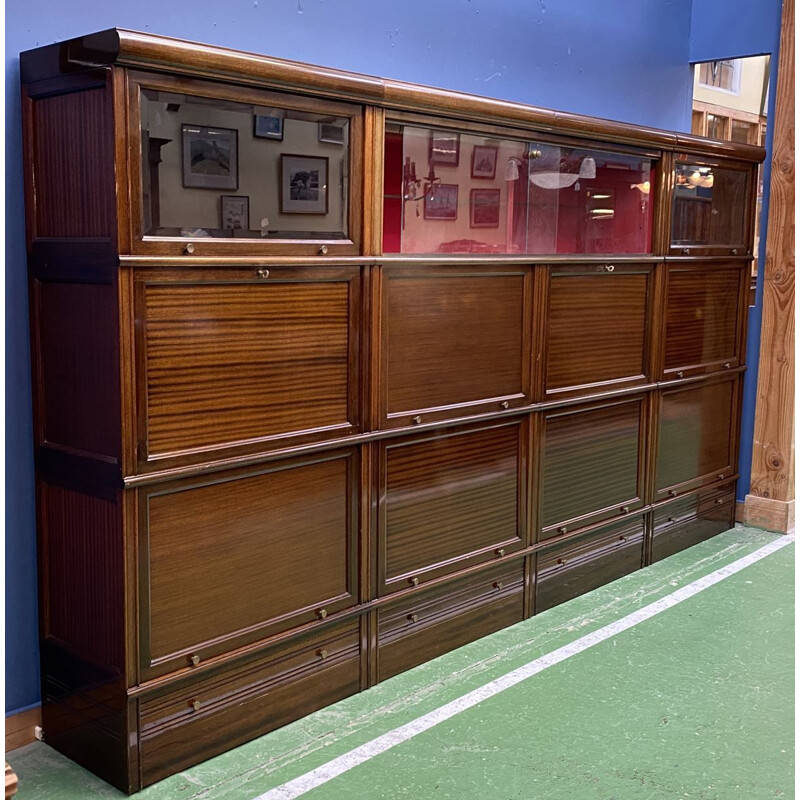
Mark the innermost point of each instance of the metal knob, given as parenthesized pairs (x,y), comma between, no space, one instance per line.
(726,365)
(623,539)
(609,267)
(561,562)
(735,251)
(322,613)
(721,476)
(413,617)
(678,374)
(672,493)
(719,501)
(686,251)
(416,420)
(670,519)
(323,654)
(562,529)
(195,705)
(323,250)
(262,272)
(504,404)
(194,660)
(189,249)
(498,584)
(625,509)
(414,581)
(501,551)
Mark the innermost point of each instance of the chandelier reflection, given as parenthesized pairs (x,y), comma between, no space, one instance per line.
(416,189)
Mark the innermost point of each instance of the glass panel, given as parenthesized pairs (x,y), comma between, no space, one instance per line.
(223,169)
(708,205)
(449,192)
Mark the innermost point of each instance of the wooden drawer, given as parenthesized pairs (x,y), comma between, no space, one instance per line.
(450,500)
(588,561)
(704,318)
(233,558)
(455,341)
(434,621)
(206,716)
(228,361)
(695,436)
(597,332)
(691,519)
(592,465)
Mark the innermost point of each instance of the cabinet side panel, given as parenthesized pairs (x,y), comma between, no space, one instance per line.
(73,165)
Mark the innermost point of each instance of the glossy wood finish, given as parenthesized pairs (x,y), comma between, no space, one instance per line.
(691,519)
(235,360)
(453,341)
(204,717)
(703,318)
(694,436)
(584,562)
(435,621)
(591,465)
(274,475)
(597,335)
(450,501)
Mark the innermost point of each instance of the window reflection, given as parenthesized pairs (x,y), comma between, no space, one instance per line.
(215,168)
(450,192)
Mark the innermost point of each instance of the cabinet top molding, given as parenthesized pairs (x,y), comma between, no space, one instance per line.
(120,47)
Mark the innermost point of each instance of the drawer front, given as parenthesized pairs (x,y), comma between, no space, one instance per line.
(230,362)
(703,318)
(454,342)
(209,715)
(597,329)
(591,465)
(434,621)
(450,501)
(586,562)
(691,519)
(695,436)
(226,562)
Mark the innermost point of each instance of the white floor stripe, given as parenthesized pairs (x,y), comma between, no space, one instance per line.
(321,775)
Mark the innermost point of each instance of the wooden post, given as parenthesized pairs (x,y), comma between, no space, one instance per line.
(770,503)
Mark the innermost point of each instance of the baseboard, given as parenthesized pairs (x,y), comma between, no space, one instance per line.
(739,512)
(769,514)
(20,727)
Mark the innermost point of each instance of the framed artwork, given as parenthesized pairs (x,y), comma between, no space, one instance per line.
(332,134)
(444,148)
(484,162)
(443,203)
(210,157)
(484,208)
(304,184)
(235,212)
(265,127)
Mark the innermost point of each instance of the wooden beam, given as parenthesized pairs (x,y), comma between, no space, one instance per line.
(772,477)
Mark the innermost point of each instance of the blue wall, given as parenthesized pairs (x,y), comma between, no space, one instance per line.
(622,59)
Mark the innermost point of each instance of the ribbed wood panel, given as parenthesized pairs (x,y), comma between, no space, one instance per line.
(702,316)
(239,554)
(454,339)
(73,165)
(83,573)
(590,461)
(694,432)
(449,497)
(230,363)
(596,328)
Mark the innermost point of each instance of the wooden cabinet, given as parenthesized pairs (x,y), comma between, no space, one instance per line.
(327,385)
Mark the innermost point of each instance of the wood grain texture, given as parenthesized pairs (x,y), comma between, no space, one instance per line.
(73,165)
(694,435)
(583,563)
(450,501)
(769,514)
(248,363)
(20,728)
(226,562)
(597,329)
(590,463)
(772,474)
(453,338)
(703,318)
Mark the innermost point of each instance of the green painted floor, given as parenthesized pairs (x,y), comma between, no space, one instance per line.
(696,702)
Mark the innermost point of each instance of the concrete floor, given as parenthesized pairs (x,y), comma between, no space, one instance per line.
(695,701)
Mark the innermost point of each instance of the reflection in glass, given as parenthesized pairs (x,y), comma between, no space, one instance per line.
(224,169)
(449,192)
(708,205)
